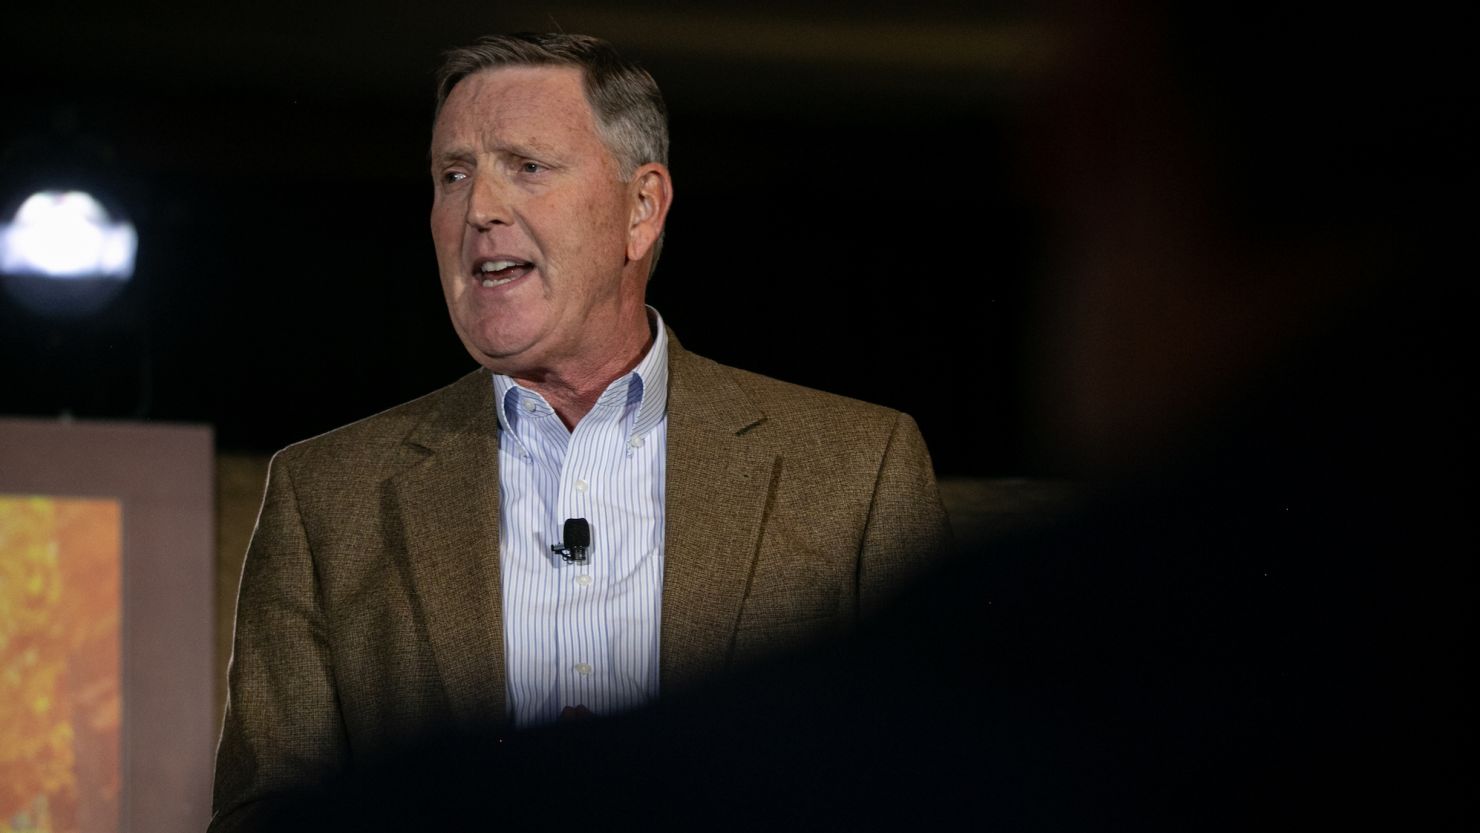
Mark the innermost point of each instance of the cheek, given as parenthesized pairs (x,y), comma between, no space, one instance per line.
(447,247)
(446,222)
(444,234)
(600,226)
(578,234)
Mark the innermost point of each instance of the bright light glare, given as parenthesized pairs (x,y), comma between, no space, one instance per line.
(67,234)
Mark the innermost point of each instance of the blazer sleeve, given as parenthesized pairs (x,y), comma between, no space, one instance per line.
(282,730)
(907,524)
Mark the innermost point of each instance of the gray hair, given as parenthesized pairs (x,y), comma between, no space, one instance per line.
(630,115)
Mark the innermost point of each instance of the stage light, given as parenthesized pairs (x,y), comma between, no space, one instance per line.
(65,255)
(67,235)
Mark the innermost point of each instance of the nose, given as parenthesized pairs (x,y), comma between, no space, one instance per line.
(487,203)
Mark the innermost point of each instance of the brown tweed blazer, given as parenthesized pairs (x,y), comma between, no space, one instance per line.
(370,606)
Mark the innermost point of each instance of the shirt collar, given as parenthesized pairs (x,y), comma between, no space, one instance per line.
(646,386)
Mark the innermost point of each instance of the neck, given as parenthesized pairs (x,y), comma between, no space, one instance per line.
(573,391)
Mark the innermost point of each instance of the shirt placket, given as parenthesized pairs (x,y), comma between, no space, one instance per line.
(579,656)
(535,459)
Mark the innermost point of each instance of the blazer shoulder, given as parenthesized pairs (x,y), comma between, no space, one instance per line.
(788,402)
(792,396)
(381,435)
(796,418)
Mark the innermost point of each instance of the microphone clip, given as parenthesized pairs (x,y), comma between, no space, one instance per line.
(577,539)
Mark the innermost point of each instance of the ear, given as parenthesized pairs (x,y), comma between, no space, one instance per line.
(651,194)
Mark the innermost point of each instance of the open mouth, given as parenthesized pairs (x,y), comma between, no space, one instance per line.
(491,272)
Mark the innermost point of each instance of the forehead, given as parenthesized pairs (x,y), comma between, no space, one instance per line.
(519,104)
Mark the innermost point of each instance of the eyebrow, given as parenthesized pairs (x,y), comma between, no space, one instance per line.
(532,148)
(464,153)
(458,153)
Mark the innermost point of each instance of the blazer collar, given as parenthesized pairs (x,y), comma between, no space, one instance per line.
(718,485)
(448,508)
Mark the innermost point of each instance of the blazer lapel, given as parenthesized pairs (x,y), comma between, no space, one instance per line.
(718,486)
(448,505)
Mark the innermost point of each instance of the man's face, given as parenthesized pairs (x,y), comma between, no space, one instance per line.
(531,222)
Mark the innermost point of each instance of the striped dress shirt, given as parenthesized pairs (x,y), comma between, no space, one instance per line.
(583,634)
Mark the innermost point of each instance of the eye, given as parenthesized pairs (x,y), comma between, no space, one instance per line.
(526,166)
(451,177)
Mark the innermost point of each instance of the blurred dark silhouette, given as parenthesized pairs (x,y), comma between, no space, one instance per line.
(1262,617)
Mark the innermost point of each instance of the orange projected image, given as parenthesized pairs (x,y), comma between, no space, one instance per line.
(60,584)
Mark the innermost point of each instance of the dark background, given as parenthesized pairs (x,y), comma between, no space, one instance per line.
(848,211)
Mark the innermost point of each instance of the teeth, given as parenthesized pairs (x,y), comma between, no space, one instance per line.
(488,267)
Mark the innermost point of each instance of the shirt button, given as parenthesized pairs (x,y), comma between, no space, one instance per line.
(584,581)
(583,668)
(528,406)
(581,486)
(636,442)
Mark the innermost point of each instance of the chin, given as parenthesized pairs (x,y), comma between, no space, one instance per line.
(499,357)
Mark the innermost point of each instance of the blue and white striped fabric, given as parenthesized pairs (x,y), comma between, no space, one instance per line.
(583,634)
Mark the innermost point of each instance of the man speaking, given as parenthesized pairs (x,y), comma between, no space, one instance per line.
(594,515)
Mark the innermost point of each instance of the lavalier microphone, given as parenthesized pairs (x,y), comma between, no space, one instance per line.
(576,540)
